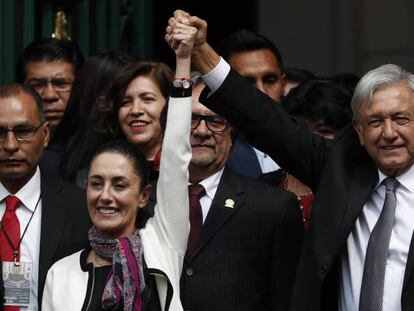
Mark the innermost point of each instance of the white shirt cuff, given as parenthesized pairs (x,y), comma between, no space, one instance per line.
(215,77)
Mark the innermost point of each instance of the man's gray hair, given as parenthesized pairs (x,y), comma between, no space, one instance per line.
(377,78)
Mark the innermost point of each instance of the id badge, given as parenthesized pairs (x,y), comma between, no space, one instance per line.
(17,281)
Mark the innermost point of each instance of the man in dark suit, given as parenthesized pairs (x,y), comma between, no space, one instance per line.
(257,58)
(246,253)
(352,176)
(51,215)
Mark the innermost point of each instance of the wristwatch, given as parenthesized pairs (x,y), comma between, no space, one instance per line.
(181,87)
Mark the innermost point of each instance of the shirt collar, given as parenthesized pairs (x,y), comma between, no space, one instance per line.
(29,194)
(210,184)
(406,179)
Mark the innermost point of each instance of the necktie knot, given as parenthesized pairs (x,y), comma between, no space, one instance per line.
(196,190)
(12,203)
(391,183)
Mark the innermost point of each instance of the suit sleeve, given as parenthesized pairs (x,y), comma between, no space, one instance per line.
(268,127)
(286,252)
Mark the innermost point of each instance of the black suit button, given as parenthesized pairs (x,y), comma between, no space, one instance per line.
(189,272)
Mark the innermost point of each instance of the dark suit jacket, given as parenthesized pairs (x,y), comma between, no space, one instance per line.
(243,159)
(64,225)
(341,172)
(50,161)
(246,256)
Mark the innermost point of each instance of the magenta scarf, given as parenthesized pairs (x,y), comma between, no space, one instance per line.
(126,281)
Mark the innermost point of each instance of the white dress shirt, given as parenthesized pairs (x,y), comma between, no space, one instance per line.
(266,163)
(352,261)
(215,77)
(29,195)
(210,184)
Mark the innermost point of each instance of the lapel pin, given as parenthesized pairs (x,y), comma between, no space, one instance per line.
(229,203)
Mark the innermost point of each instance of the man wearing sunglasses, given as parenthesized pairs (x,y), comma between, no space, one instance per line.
(244,255)
(42,219)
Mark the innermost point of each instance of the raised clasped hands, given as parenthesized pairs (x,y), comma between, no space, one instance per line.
(183,18)
(180,35)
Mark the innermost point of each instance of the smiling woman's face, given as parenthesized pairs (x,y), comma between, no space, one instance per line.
(139,115)
(113,194)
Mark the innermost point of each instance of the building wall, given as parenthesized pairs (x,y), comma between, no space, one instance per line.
(332,36)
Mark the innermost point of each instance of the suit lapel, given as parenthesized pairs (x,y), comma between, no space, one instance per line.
(363,181)
(227,201)
(410,263)
(54,210)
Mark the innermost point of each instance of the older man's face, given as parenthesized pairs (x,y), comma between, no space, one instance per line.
(210,149)
(386,128)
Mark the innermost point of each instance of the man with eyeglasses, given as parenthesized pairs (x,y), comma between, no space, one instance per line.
(42,218)
(245,236)
(49,66)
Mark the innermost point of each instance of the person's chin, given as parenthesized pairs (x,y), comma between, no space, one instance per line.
(13,170)
(138,140)
(395,167)
(202,160)
(106,228)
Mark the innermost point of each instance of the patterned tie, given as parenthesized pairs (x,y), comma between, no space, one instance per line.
(372,287)
(10,224)
(196,215)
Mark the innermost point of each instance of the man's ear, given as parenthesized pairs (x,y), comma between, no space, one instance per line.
(284,82)
(358,128)
(46,133)
(232,136)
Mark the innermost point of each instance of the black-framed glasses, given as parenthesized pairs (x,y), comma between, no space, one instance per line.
(59,84)
(215,124)
(21,133)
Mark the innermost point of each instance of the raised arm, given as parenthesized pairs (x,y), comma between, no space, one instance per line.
(262,121)
(171,212)
(165,235)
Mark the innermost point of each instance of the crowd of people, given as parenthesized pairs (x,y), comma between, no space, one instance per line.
(240,185)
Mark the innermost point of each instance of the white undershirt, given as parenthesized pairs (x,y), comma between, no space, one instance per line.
(266,163)
(352,261)
(30,245)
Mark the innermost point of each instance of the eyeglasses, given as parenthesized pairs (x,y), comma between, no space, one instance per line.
(216,124)
(22,134)
(59,84)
